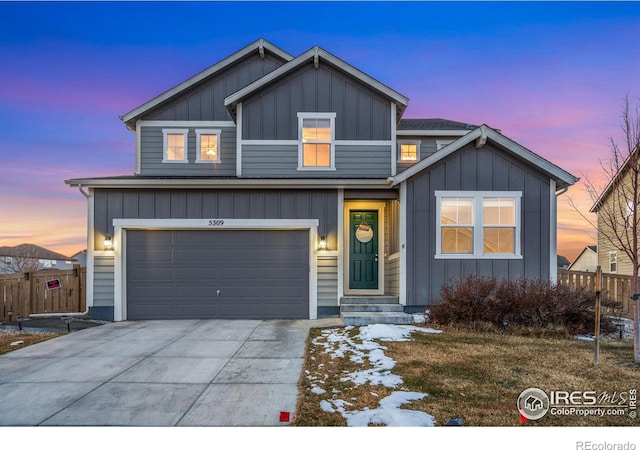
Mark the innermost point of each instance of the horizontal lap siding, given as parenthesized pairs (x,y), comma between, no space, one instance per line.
(103,276)
(470,169)
(281,161)
(327,280)
(428,146)
(152,152)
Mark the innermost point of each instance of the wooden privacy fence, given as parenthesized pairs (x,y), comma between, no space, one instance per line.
(43,292)
(617,288)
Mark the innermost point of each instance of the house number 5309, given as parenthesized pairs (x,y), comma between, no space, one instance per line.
(216,222)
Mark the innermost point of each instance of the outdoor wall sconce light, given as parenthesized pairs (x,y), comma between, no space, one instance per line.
(108,243)
(322,245)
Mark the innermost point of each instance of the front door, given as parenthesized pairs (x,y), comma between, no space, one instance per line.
(363,252)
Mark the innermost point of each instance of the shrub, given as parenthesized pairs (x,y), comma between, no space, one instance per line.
(522,302)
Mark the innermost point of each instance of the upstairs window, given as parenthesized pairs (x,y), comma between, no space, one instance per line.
(208,145)
(613,262)
(408,152)
(316,147)
(478,224)
(175,145)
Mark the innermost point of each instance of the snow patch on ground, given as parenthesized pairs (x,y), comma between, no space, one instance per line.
(363,347)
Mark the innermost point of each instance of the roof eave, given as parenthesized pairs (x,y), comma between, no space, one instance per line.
(314,54)
(130,117)
(482,133)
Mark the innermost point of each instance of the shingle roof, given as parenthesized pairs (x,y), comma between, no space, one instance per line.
(32,251)
(433,124)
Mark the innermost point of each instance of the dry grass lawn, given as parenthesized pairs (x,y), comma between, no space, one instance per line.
(7,337)
(477,376)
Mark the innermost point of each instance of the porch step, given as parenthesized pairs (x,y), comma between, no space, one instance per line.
(368,318)
(360,311)
(379,299)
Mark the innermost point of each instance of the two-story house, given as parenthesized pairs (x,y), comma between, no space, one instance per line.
(273,186)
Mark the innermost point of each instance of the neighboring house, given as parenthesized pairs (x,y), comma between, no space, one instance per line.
(81,258)
(587,260)
(31,258)
(272,186)
(614,208)
(563,262)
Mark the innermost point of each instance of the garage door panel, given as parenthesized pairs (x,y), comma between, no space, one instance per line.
(259,273)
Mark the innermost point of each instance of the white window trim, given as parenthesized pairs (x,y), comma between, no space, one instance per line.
(478,247)
(165,133)
(208,131)
(332,156)
(616,263)
(399,151)
(442,143)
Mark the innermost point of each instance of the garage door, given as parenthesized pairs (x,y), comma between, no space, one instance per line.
(225,274)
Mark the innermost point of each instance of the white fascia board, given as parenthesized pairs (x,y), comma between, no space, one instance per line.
(531,157)
(204,74)
(482,131)
(433,132)
(303,58)
(212,183)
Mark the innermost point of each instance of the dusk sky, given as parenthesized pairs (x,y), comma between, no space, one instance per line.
(552,76)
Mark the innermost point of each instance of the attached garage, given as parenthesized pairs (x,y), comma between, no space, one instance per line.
(217,274)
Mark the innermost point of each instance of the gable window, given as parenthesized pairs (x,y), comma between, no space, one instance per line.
(316,135)
(478,224)
(208,145)
(613,262)
(408,151)
(175,145)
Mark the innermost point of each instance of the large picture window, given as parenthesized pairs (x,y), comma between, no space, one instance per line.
(478,224)
(316,148)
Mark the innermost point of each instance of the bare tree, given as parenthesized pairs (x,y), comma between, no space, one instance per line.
(22,260)
(617,203)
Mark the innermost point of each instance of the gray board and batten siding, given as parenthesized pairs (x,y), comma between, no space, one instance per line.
(112,204)
(205,100)
(361,112)
(469,169)
(152,153)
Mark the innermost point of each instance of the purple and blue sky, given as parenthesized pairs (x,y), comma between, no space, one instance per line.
(550,75)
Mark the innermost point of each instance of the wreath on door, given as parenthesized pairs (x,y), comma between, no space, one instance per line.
(364,232)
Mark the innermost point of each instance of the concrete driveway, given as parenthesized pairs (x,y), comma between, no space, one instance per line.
(158,373)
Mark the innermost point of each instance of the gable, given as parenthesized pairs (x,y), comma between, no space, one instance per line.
(205,100)
(247,70)
(362,113)
(484,135)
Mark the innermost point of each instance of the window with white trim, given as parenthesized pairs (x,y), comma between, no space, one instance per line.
(474,224)
(208,145)
(408,151)
(613,262)
(174,145)
(316,150)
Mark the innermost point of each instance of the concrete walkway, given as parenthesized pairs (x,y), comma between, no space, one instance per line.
(159,373)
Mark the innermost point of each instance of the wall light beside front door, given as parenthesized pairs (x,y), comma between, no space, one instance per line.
(108,243)
(322,245)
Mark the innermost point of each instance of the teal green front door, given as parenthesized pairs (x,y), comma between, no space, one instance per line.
(363,251)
